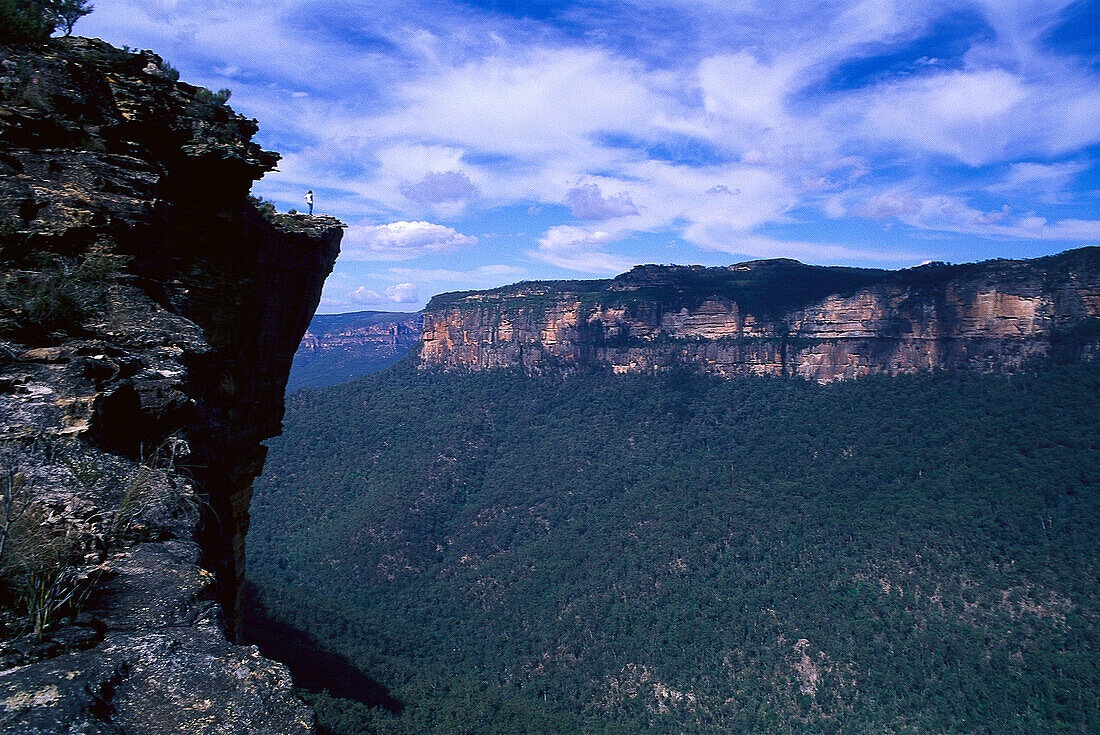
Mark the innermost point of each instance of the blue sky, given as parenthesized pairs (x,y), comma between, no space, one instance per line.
(473,144)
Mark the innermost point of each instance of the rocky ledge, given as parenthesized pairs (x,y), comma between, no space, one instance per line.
(780,317)
(149,312)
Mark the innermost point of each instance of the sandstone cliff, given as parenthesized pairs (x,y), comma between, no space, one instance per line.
(148,316)
(780,317)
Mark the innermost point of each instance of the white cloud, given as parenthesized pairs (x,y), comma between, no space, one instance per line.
(401,241)
(466,112)
(969,115)
(363,295)
(940,213)
(578,249)
(402,293)
(888,205)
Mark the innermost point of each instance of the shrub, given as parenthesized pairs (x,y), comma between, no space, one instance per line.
(41,572)
(170,71)
(29,21)
(59,294)
(264,207)
(24,21)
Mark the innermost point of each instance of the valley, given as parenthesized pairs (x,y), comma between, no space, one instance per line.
(497,552)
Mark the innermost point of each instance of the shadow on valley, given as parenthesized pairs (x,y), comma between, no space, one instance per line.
(314,668)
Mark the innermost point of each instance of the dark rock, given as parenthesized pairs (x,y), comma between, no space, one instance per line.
(148,317)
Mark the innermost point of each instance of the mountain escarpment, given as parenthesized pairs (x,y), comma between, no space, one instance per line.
(780,317)
(149,313)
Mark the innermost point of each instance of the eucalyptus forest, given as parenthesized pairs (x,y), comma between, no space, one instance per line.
(499,553)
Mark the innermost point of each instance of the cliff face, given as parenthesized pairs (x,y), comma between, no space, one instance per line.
(339,347)
(148,317)
(780,317)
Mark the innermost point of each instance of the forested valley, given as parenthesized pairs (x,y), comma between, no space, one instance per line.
(497,553)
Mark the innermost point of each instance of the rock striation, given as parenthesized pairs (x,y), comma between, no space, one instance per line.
(149,313)
(780,317)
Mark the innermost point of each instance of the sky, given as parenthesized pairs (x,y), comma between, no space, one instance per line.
(469,145)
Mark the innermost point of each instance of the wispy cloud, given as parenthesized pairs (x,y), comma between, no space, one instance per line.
(718,122)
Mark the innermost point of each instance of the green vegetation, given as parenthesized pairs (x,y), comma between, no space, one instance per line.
(265,207)
(766,287)
(171,72)
(493,553)
(41,578)
(46,295)
(49,554)
(205,95)
(23,21)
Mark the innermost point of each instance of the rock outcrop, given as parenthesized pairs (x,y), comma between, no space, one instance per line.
(148,316)
(780,317)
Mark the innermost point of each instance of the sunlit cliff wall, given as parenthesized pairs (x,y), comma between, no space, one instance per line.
(779,317)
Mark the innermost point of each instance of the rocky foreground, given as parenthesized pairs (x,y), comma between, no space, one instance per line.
(149,312)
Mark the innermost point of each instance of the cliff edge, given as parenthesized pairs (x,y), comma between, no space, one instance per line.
(149,313)
(780,317)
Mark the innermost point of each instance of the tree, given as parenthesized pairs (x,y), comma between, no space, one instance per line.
(67,12)
(23,21)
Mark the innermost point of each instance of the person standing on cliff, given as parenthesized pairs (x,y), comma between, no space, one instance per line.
(309,200)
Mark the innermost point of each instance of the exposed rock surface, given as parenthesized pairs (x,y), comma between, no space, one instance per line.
(780,317)
(339,347)
(148,317)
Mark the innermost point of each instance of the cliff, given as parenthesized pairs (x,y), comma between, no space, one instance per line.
(780,317)
(148,316)
(339,347)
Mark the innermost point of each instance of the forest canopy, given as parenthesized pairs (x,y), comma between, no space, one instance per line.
(495,553)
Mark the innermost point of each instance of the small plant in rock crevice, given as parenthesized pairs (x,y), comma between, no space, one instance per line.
(42,574)
(48,554)
(49,294)
(155,494)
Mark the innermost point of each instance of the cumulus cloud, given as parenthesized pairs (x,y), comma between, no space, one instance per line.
(340,295)
(588,202)
(401,241)
(440,186)
(363,295)
(578,249)
(402,293)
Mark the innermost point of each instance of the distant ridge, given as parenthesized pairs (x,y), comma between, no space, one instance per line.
(779,317)
(339,347)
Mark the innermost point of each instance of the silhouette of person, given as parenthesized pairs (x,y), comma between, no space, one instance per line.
(309,200)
